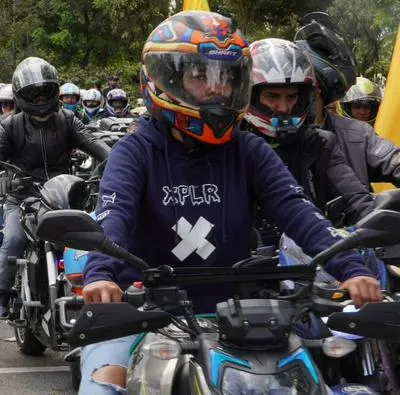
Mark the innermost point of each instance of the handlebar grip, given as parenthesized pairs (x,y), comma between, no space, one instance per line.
(134,296)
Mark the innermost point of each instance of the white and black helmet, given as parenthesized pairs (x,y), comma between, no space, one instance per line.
(91,101)
(6,94)
(279,63)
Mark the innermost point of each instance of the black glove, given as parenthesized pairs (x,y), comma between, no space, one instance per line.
(5,184)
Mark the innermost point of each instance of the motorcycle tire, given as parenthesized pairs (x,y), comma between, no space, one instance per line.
(27,342)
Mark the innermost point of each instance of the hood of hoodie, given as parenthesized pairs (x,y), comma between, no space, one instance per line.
(159,134)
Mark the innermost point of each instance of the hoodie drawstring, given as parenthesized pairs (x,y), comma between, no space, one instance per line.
(224,190)
(224,203)
(171,185)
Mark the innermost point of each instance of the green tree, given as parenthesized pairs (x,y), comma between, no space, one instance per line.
(370,28)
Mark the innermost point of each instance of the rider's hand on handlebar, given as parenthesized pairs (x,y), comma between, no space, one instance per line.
(363,289)
(102,292)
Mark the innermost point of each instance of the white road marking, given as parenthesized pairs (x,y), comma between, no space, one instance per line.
(34,369)
(10,339)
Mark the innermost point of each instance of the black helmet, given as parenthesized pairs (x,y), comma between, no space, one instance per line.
(33,78)
(332,59)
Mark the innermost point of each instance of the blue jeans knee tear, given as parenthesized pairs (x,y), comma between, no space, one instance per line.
(114,387)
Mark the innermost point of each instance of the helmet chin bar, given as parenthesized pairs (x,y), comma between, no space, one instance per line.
(218,118)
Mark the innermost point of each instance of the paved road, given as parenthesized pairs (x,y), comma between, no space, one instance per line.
(24,375)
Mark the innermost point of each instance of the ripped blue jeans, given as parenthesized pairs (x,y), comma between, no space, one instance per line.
(95,356)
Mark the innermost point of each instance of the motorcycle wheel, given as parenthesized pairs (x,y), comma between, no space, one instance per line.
(27,342)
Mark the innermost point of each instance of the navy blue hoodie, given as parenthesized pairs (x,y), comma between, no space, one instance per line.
(179,207)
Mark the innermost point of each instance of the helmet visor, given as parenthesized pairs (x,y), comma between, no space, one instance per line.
(43,93)
(91,103)
(357,93)
(118,103)
(198,81)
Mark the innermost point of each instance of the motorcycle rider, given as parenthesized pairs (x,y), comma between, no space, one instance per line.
(117,104)
(188,169)
(372,158)
(362,101)
(91,103)
(280,112)
(39,140)
(113,83)
(6,101)
(70,96)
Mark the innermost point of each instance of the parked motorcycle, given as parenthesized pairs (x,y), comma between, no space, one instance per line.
(249,345)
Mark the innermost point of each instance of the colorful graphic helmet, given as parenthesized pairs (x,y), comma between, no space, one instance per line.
(91,101)
(196,75)
(332,59)
(279,63)
(117,103)
(69,89)
(363,93)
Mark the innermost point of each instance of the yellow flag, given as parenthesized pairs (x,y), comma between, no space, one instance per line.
(197,5)
(387,123)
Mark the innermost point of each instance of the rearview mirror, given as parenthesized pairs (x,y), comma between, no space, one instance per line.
(105,321)
(76,229)
(72,228)
(378,229)
(388,200)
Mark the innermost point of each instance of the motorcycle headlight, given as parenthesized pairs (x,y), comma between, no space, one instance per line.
(287,382)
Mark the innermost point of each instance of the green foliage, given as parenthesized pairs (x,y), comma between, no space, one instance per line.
(370,27)
(88,40)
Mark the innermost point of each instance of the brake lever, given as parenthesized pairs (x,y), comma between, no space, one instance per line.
(330,292)
(325,306)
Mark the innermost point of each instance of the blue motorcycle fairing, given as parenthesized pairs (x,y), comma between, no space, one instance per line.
(75,260)
(219,358)
(301,355)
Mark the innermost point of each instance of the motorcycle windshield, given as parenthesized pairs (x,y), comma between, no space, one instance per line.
(289,382)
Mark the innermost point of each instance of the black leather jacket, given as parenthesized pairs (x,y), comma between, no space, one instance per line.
(373,158)
(317,162)
(44,149)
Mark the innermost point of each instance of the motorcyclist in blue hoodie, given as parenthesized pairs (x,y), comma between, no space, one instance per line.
(181,190)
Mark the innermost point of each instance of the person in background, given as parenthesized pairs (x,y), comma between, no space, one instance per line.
(6,101)
(362,101)
(280,112)
(91,104)
(372,158)
(39,139)
(117,104)
(113,83)
(70,96)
